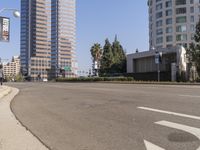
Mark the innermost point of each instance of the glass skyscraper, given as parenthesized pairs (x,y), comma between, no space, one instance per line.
(48,38)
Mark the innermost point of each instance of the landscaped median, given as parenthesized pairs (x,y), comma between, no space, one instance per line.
(122,80)
(4,90)
(95,79)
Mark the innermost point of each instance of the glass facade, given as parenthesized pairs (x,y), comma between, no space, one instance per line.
(47,37)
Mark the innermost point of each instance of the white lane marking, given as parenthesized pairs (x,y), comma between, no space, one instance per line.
(192,96)
(151,146)
(192,130)
(170,113)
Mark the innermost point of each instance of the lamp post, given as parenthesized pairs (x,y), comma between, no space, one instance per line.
(16,13)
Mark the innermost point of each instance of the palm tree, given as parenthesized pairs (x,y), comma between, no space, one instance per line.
(96,52)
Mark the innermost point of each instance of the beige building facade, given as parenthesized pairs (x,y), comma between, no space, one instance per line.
(12,69)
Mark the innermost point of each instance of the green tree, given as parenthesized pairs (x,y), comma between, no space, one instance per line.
(19,78)
(194,50)
(96,52)
(107,58)
(119,65)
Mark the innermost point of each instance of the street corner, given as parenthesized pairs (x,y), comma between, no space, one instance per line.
(4,90)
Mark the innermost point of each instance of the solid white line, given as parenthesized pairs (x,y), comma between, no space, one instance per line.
(192,130)
(170,113)
(151,146)
(192,96)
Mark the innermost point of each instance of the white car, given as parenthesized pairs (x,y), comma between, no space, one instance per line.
(45,80)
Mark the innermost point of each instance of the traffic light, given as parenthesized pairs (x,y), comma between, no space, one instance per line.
(160,57)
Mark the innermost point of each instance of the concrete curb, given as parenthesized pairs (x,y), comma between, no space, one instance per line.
(13,135)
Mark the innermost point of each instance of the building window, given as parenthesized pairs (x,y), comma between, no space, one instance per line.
(181,37)
(181,19)
(169,21)
(191,18)
(159,6)
(180,2)
(159,31)
(192,27)
(169,38)
(191,9)
(159,40)
(169,30)
(159,15)
(168,12)
(181,28)
(168,4)
(181,10)
(159,23)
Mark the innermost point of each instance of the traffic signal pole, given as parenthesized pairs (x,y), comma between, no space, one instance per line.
(159,72)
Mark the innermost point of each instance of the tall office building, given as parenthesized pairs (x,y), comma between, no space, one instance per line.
(172,22)
(63,27)
(47,37)
(35,39)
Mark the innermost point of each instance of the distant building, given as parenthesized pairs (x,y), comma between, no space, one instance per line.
(172,22)
(48,38)
(12,69)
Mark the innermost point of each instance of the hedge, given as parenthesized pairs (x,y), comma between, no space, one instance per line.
(94,79)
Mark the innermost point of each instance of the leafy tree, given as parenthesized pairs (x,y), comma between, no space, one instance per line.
(194,50)
(107,58)
(96,52)
(119,65)
(19,78)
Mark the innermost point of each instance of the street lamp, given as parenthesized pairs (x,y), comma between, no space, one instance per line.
(16,13)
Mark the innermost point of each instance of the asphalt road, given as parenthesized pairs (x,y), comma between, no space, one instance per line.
(90,116)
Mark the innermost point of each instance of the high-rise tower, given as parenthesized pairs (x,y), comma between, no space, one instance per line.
(48,38)
(172,22)
(35,41)
(63,27)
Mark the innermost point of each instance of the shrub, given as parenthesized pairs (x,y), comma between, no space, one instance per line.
(94,79)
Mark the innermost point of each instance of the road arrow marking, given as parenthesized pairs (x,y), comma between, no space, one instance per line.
(170,113)
(151,146)
(192,130)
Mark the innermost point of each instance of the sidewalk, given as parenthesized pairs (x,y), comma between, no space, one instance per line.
(4,90)
(13,136)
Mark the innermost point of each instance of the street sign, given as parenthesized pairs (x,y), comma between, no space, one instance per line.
(4,29)
(67,68)
(157,58)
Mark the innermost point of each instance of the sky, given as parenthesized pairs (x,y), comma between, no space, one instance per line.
(96,21)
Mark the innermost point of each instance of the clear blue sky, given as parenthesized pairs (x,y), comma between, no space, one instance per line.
(96,21)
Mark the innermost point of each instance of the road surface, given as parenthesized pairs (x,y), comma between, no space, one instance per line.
(96,116)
